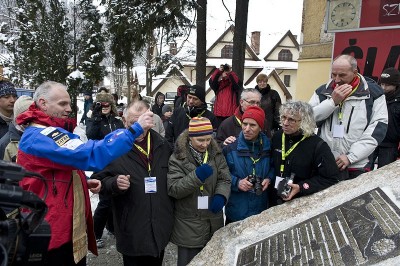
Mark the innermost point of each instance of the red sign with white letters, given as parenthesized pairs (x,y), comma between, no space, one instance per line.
(375,50)
(379,13)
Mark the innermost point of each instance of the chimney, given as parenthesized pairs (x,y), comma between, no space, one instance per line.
(172,48)
(255,42)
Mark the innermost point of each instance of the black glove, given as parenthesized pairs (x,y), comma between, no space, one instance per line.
(96,114)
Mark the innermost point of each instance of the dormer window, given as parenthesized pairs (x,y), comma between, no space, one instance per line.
(285,55)
(227,51)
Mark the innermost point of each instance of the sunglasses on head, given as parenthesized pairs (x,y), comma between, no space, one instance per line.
(105,104)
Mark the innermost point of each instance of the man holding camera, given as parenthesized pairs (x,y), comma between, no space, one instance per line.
(103,119)
(49,148)
(250,165)
(224,83)
(195,106)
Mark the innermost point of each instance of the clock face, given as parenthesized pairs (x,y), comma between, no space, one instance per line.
(343,14)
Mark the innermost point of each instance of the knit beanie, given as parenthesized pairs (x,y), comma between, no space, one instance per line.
(22,104)
(166,108)
(390,76)
(200,126)
(256,113)
(7,88)
(198,91)
(107,98)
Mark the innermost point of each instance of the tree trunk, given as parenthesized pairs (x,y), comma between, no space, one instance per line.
(201,43)
(239,38)
(128,82)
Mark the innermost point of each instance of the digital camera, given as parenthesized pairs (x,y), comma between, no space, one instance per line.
(284,189)
(256,181)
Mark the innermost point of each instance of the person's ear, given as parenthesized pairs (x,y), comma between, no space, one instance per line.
(42,104)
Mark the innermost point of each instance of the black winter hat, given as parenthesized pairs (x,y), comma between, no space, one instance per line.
(390,76)
(7,88)
(198,91)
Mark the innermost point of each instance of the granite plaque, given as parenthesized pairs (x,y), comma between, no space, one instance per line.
(362,231)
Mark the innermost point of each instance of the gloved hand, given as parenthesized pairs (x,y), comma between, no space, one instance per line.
(96,114)
(217,203)
(204,171)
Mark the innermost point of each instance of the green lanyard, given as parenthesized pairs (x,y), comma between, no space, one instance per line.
(254,165)
(286,154)
(204,161)
(147,154)
(199,115)
(238,120)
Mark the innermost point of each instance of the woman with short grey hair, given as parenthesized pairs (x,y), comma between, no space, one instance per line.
(300,155)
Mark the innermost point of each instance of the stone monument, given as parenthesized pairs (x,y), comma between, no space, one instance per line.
(355,222)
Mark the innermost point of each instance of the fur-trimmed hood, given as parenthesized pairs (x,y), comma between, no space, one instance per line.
(182,146)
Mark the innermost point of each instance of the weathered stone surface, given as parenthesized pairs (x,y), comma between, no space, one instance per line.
(355,222)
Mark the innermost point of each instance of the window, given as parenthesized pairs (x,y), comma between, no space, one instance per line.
(286,80)
(227,51)
(285,55)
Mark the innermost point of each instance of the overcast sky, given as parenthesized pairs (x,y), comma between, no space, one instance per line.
(270,17)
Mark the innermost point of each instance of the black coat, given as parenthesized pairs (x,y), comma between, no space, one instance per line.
(179,121)
(392,137)
(270,103)
(142,222)
(311,161)
(3,127)
(157,109)
(99,129)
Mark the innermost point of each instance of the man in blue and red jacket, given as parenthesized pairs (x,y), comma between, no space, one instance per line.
(48,147)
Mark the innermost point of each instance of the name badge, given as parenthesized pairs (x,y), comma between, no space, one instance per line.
(338,131)
(150,184)
(278,179)
(202,202)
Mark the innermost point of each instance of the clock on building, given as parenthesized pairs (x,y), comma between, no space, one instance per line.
(343,14)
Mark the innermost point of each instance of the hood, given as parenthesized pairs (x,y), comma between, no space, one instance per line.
(182,146)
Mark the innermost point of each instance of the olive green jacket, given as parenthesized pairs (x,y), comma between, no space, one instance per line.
(194,227)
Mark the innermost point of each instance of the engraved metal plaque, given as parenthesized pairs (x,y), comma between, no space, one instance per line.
(365,230)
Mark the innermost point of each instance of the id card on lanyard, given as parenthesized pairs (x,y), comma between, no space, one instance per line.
(202,201)
(150,182)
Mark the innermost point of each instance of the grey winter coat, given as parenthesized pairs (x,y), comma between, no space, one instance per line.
(194,227)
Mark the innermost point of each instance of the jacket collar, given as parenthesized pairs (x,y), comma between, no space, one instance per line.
(37,116)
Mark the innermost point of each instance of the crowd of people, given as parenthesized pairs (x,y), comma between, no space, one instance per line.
(210,169)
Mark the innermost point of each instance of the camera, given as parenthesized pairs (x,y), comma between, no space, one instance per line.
(24,236)
(226,67)
(98,104)
(256,181)
(283,188)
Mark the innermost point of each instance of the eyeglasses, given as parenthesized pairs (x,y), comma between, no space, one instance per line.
(289,119)
(252,102)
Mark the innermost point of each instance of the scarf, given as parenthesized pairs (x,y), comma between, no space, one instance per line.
(198,156)
(354,83)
